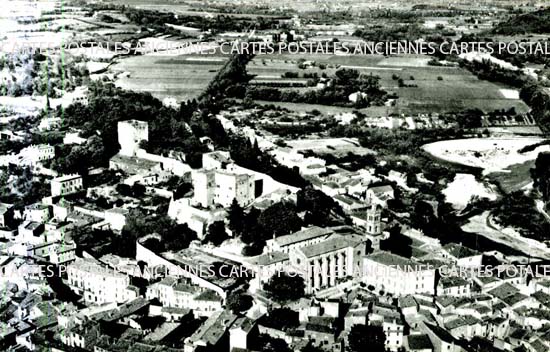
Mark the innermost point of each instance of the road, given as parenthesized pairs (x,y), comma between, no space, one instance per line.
(481,224)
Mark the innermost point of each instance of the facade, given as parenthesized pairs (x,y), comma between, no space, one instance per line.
(68,184)
(221,187)
(130,134)
(99,284)
(175,293)
(462,256)
(453,286)
(325,264)
(397,275)
(34,154)
(302,238)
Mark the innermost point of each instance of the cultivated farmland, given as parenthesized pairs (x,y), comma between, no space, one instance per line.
(426,89)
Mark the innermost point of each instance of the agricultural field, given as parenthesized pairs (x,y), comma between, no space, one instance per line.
(181,77)
(426,89)
(334,146)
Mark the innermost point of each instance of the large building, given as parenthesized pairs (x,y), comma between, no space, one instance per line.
(99,284)
(130,134)
(33,154)
(67,184)
(326,263)
(221,187)
(175,293)
(398,275)
(305,237)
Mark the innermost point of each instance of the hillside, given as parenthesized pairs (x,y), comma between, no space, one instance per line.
(533,22)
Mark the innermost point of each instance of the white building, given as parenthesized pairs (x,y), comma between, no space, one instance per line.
(325,264)
(197,219)
(177,294)
(116,218)
(302,238)
(130,134)
(99,284)
(38,212)
(216,160)
(66,184)
(73,138)
(293,159)
(34,154)
(462,256)
(49,123)
(222,187)
(398,275)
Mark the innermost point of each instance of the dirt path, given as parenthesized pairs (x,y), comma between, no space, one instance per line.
(481,224)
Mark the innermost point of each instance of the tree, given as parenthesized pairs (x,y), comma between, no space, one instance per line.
(284,287)
(236,217)
(541,175)
(310,347)
(318,205)
(366,338)
(267,343)
(282,319)
(216,233)
(397,243)
(238,302)
(279,219)
(253,249)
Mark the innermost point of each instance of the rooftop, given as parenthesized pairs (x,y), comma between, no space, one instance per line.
(419,342)
(269,258)
(303,235)
(330,245)
(459,251)
(390,259)
(66,178)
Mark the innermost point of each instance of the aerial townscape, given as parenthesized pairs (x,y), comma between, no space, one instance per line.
(305,176)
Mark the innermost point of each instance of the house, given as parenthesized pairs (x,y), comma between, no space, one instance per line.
(34,154)
(175,293)
(38,212)
(73,138)
(49,123)
(196,218)
(441,339)
(398,275)
(391,323)
(379,195)
(292,158)
(265,266)
(116,218)
(453,286)
(216,160)
(242,333)
(462,256)
(99,284)
(213,333)
(465,327)
(68,184)
(357,97)
(130,134)
(356,316)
